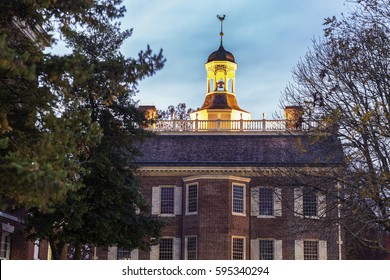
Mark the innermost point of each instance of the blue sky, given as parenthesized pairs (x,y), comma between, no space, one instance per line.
(267,38)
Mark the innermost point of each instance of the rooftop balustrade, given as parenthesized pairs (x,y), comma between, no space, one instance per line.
(228,125)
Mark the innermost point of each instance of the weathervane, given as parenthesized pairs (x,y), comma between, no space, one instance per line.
(221,18)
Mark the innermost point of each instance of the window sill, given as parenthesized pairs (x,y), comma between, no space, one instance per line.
(167,215)
(239,214)
(266,217)
(308,217)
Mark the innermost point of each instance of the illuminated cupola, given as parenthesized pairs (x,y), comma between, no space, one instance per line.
(220,102)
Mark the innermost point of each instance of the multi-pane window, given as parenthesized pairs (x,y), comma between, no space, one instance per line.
(166,249)
(310,250)
(266,202)
(192,196)
(309,202)
(238,199)
(238,248)
(266,249)
(5,246)
(191,247)
(167,200)
(123,254)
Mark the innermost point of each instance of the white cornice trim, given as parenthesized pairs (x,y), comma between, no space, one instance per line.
(217,177)
(10,217)
(189,171)
(198,169)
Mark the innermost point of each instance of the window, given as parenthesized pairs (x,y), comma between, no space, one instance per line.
(238,248)
(238,199)
(119,253)
(166,249)
(123,254)
(169,248)
(192,199)
(36,249)
(266,249)
(309,202)
(166,200)
(266,202)
(310,250)
(5,246)
(191,248)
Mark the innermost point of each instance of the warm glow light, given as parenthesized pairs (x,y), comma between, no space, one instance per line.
(221,81)
(221,70)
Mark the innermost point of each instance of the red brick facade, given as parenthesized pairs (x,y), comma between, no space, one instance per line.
(15,245)
(215,225)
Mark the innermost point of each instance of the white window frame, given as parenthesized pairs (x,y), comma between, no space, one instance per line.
(244,246)
(187,198)
(156,200)
(277,248)
(5,245)
(322,249)
(186,246)
(155,250)
(36,249)
(132,256)
(243,213)
(298,204)
(277,202)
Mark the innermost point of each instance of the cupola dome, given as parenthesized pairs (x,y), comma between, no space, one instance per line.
(221,54)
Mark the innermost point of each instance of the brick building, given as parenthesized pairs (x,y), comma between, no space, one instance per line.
(232,188)
(14,245)
(229,187)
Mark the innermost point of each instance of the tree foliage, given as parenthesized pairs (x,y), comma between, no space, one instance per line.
(43,129)
(344,83)
(178,112)
(68,123)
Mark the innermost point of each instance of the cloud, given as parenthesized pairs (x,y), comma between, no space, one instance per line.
(266,37)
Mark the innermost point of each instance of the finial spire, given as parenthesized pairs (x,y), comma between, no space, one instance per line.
(221,18)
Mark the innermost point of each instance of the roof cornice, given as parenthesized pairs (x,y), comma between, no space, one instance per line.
(191,171)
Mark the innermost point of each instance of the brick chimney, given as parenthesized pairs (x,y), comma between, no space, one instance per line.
(150,113)
(293,116)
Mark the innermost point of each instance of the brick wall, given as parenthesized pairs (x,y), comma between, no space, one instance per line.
(21,248)
(214,224)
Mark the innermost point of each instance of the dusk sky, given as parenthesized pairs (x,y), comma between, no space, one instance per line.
(267,38)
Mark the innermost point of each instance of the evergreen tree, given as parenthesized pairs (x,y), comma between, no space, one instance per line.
(43,129)
(68,123)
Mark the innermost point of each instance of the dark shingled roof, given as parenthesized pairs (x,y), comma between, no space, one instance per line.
(239,150)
